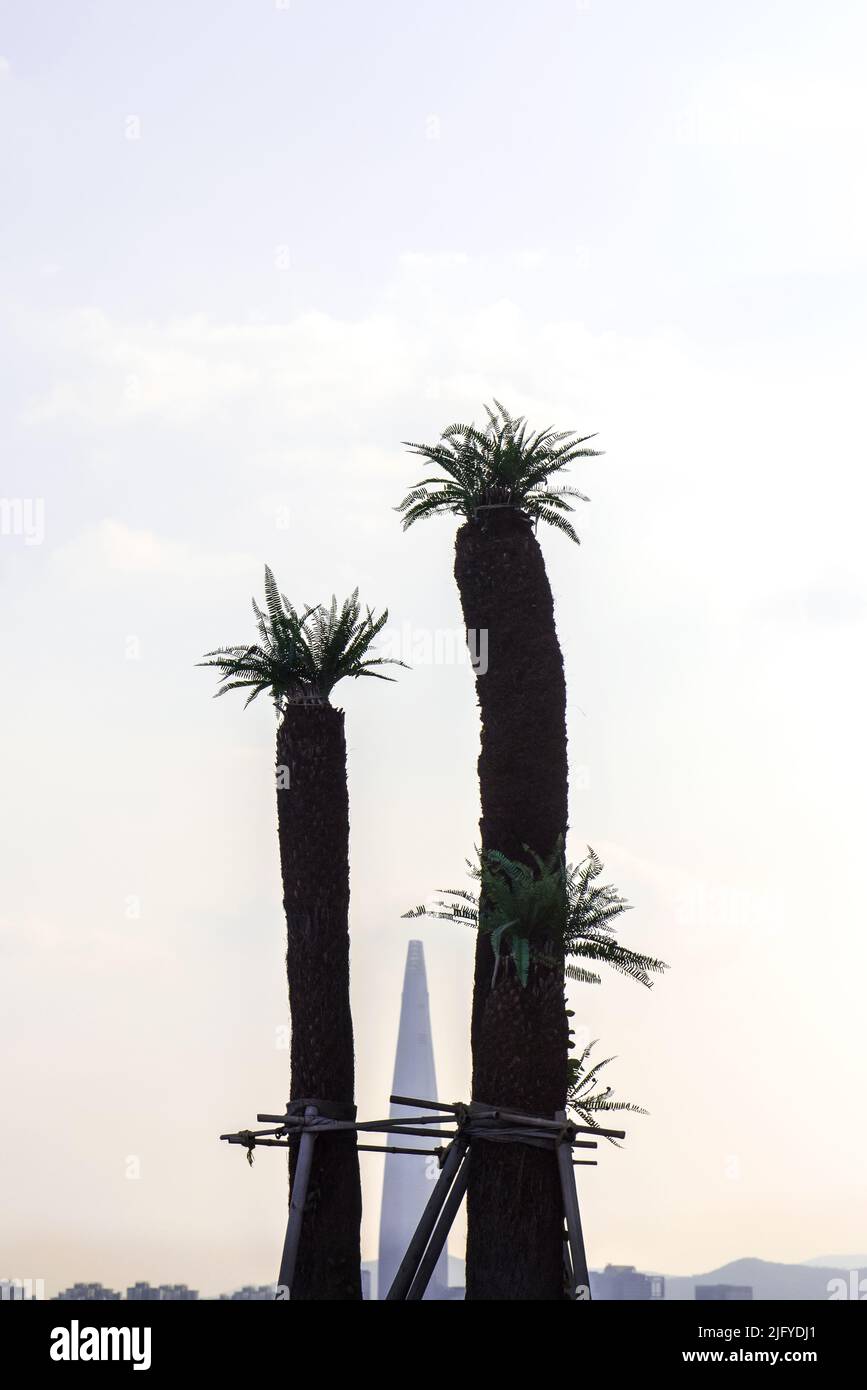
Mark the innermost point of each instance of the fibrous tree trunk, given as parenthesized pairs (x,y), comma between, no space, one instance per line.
(313,823)
(519,1034)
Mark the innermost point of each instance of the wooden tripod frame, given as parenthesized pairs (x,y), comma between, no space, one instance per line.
(306,1120)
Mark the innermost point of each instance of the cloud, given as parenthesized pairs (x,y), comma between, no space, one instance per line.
(197,368)
(695,448)
(424,261)
(262,378)
(819,605)
(112,546)
(772,153)
(66,947)
(746,106)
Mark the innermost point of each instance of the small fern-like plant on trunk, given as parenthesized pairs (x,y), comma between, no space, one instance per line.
(527,915)
(589,1098)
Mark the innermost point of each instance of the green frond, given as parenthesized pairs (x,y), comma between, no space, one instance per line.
(582,977)
(500,465)
(553,518)
(587,1100)
(301,656)
(553,908)
(558,492)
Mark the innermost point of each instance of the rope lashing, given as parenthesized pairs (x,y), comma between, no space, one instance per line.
(248,1139)
(471,1121)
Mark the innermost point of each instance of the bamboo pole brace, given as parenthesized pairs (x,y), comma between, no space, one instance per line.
(392,1149)
(474,1121)
(424,1104)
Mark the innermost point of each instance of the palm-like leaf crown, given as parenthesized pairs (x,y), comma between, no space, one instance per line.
(588,1097)
(531,910)
(503,465)
(300,657)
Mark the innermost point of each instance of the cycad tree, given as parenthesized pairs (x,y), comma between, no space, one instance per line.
(501,481)
(299,658)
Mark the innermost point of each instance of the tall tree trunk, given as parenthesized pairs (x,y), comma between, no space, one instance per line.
(519,1035)
(313,823)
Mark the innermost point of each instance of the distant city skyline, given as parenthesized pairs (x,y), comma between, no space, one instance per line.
(807,1280)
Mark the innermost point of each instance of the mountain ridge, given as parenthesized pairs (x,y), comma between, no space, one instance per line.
(769,1279)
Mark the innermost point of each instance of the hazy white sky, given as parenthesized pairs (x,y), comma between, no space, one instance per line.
(246,249)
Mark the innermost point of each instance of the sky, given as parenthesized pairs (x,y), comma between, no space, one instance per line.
(246,249)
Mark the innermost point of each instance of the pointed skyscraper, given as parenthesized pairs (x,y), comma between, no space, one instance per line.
(409,1179)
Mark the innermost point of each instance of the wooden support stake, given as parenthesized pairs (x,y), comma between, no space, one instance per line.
(440,1234)
(417,1246)
(298,1197)
(581,1277)
(390,1149)
(422,1104)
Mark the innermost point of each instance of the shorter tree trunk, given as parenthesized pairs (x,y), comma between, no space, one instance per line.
(313,821)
